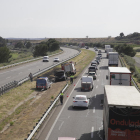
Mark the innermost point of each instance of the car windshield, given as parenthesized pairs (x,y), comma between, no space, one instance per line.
(59,73)
(91,67)
(80,98)
(91,73)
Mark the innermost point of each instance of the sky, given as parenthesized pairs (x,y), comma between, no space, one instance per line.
(68,18)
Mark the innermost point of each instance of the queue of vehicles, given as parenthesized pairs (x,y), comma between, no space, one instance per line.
(121,106)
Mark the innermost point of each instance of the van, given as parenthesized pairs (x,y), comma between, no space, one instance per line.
(92,69)
(43,83)
(46,59)
(87,83)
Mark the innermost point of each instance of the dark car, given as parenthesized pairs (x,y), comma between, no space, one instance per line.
(60,75)
(92,69)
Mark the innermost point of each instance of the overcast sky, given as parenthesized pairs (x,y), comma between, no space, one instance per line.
(68,18)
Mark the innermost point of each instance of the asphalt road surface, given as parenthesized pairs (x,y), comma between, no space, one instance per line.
(20,72)
(83,124)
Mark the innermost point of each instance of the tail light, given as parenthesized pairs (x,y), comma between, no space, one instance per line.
(85,101)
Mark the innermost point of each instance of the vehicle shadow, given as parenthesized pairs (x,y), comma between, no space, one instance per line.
(78,89)
(96,135)
(76,108)
(103,68)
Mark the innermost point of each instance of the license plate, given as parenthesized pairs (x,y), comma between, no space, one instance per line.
(86,88)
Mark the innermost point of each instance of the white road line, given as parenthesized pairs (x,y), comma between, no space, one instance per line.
(93,109)
(92,130)
(61,125)
(95,95)
(49,133)
(8,77)
(96,86)
(87,113)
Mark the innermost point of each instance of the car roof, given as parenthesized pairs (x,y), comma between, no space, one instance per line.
(66,138)
(43,78)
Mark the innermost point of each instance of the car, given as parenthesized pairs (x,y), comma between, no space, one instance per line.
(92,69)
(99,54)
(66,138)
(94,65)
(97,61)
(56,59)
(99,51)
(93,74)
(80,101)
(46,59)
(93,62)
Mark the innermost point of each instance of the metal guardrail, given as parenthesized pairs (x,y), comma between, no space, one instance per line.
(15,64)
(123,64)
(8,86)
(45,115)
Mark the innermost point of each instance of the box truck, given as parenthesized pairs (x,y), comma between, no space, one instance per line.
(121,113)
(69,68)
(113,59)
(86,83)
(108,50)
(119,76)
(107,46)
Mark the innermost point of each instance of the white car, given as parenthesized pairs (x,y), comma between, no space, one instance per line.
(46,59)
(56,59)
(80,101)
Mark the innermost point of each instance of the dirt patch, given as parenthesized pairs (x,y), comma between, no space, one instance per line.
(22,107)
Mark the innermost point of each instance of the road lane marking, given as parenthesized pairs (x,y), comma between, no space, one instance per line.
(97,80)
(61,125)
(93,109)
(96,86)
(95,95)
(8,77)
(92,131)
(87,113)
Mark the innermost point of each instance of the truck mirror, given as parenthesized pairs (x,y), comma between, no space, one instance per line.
(107,77)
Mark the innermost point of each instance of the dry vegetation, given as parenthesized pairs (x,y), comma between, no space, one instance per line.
(22,107)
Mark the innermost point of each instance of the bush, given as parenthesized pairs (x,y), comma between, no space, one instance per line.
(132,69)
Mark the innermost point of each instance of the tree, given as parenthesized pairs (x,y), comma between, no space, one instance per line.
(4,54)
(28,45)
(2,42)
(121,34)
(19,45)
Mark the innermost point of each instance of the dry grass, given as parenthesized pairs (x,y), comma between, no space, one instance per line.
(23,106)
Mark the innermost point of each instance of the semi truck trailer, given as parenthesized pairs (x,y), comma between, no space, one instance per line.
(113,59)
(119,76)
(121,113)
(107,46)
(108,50)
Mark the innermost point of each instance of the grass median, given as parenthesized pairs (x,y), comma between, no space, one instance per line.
(22,107)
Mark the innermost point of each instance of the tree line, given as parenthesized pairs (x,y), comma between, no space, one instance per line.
(42,48)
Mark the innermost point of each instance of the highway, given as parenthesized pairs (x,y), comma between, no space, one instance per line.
(83,124)
(21,71)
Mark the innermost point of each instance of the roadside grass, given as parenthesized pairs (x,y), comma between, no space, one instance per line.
(24,56)
(23,106)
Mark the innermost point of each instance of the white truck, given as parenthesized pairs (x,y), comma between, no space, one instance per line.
(69,68)
(121,113)
(108,50)
(107,46)
(113,59)
(119,76)
(86,83)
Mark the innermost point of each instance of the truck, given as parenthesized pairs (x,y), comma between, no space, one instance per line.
(69,68)
(86,83)
(108,50)
(121,113)
(119,76)
(113,59)
(107,46)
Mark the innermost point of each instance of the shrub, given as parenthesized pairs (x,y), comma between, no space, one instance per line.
(132,69)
